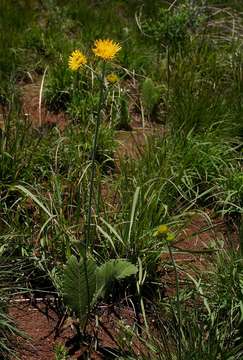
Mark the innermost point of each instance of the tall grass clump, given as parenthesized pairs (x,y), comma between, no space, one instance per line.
(199,65)
(12,281)
(174,177)
(14,19)
(202,93)
(211,314)
(213,327)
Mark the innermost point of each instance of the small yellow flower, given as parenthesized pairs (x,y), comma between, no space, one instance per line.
(170,236)
(112,78)
(76,60)
(106,49)
(162,229)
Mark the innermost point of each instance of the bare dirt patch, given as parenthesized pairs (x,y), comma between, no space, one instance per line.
(45,330)
(39,324)
(36,112)
(132,143)
(195,248)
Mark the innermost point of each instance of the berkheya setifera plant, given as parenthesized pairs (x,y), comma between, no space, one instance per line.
(84,282)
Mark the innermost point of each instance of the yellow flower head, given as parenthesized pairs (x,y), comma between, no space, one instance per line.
(112,78)
(76,60)
(106,49)
(162,230)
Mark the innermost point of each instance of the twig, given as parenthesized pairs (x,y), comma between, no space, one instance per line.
(40,95)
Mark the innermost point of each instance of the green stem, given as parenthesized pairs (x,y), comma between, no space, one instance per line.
(94,149)
(168,84)
(178,301)
(91,188)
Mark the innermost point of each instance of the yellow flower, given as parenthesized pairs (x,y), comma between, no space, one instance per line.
(112,78)
(106,49)
(76,60)
(162,229)
(170,236)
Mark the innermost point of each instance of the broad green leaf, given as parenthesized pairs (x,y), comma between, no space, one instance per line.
(76,283)
(115,269)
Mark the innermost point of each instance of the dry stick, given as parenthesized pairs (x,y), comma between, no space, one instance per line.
(24,301)
(142,114)
(40,95)
(172,5)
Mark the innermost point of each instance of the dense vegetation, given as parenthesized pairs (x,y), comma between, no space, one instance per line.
(83,219)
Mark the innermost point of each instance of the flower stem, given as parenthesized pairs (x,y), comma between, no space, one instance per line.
(94,149)
(91,191)
(178,302)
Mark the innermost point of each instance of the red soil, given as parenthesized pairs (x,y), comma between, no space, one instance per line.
(37,113)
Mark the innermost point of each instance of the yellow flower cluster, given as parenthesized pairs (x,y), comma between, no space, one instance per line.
(163,231)
(104,49)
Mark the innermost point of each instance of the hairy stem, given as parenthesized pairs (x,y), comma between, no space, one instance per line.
(94,149)
(87,239)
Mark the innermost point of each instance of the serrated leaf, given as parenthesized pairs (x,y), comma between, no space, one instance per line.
(76,286)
